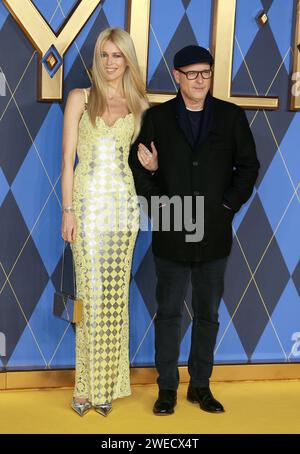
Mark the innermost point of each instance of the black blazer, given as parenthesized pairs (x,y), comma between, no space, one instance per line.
(222,167)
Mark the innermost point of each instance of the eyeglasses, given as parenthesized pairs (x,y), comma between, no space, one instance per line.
(192,75)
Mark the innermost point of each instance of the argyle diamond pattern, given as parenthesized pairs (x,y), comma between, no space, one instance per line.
(260,309)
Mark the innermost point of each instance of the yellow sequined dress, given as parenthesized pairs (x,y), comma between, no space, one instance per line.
(107,216)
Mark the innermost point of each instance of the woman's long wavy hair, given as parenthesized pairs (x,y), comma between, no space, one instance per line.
(133,86)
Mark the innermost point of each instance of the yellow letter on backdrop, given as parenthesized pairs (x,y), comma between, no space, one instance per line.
(50,46)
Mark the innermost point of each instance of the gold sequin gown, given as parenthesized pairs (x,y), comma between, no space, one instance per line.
(107,216)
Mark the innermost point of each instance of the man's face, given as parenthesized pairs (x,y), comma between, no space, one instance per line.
(197,89)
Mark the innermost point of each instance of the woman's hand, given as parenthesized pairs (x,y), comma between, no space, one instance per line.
(147,159)
(68,228)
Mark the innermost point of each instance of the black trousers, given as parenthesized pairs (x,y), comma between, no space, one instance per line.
(207,280)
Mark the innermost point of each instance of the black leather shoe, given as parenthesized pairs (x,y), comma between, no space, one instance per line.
(204,397)
(165,403)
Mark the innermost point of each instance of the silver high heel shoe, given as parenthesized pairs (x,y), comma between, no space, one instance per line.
(81,409)
(103,409)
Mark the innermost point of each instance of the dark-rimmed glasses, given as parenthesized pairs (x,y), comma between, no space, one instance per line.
(192,75)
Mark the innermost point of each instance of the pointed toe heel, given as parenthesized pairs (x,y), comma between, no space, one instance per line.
(104,409)
(81,409)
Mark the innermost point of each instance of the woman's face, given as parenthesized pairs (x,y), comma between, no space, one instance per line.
(113,61)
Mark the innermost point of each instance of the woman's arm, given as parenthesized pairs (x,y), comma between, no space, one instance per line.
(73,112)
(148,160)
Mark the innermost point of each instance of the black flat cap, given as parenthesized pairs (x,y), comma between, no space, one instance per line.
(190,55)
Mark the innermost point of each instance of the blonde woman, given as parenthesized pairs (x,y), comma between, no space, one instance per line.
(101,215)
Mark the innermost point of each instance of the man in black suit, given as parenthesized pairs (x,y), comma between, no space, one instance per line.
(201,146)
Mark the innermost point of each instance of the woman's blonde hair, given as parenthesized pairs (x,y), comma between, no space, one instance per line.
(133,86)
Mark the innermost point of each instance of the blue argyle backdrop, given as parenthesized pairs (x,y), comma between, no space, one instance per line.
(260,309)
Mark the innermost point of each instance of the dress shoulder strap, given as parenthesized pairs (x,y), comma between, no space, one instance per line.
(86,96)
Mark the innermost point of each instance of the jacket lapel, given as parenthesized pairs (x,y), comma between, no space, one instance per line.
(183,119)
(207,122)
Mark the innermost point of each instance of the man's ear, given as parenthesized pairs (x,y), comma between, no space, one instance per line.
(176,76)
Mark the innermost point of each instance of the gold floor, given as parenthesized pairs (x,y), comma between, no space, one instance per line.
(251,407)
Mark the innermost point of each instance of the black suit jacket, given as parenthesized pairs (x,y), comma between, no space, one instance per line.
(222,167)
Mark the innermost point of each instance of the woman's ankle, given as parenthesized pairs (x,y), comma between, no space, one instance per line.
(80,400)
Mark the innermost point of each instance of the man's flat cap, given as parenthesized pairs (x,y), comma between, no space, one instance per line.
(190,55)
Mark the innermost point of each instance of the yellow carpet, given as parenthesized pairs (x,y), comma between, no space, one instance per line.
(251,407)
